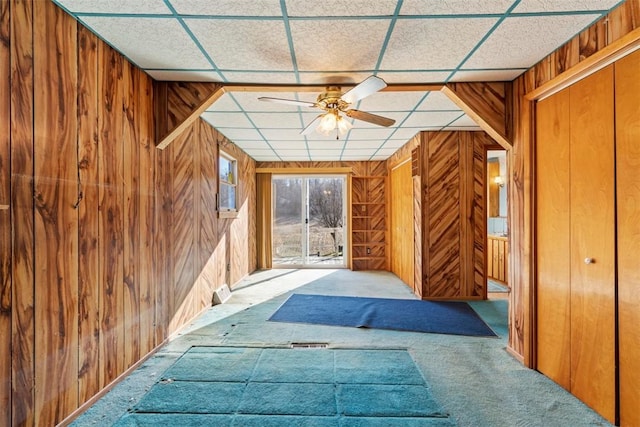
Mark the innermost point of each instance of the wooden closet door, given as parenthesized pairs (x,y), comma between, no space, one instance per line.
(628,200)
(593,242)
(553,244)
(402,245)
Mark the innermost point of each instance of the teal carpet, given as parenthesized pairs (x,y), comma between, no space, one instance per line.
(239,386)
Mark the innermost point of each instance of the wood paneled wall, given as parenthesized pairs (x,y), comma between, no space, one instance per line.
(619,22)
(108,245)
(453,214)
(449,213)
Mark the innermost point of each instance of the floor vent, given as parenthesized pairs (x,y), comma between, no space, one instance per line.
(221,295)
(309,345)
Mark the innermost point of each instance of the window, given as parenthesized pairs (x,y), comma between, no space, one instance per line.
(228,183)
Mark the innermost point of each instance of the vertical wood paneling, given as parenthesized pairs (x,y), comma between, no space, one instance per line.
(402,227)
(131,216)
(466,171)
(146,233)
(88,217)
(628,204)
(593,236)
(553,245)
(110,158)
(162,241)
(22,211)
(56,219)
(5,218)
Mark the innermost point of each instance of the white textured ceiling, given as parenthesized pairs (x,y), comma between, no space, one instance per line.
(306,42)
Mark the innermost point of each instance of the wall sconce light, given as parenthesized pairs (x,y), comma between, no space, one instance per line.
(499,181)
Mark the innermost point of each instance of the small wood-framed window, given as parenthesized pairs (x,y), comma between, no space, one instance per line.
(227,186)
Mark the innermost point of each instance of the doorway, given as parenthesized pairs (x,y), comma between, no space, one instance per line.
(497,225)
(309,218)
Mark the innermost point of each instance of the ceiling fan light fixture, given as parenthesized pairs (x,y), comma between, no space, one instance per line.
(344,125)
(328,123)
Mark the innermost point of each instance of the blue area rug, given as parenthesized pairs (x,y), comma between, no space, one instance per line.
(273,387)
(438,317)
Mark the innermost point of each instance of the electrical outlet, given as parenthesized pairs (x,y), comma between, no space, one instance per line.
(368,251)
(228,267)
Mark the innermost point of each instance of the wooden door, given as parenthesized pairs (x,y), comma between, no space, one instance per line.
(628,201)
(402,244)
(553,245)
(592,234)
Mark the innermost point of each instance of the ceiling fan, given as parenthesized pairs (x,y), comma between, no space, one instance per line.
(334,102)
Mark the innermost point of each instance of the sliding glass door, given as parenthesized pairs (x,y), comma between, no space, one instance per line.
(309,219)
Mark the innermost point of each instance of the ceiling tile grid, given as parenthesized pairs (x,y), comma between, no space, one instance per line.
(301,42)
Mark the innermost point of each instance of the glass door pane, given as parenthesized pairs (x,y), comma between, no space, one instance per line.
(326,228)
(309,221)
(288,234)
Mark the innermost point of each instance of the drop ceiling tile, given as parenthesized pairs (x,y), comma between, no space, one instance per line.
(409,76)
(395,143)
(276,120)
(454,39)
(294,152)
(184,76)
(326,145)
(228,7)
(115,6)
(260,77)
(224,103)
(359,145)
(227,120)
(391,101)
(378,157)
(297,158)
(250,101)
(150,42)
(454,7)
(486,75)
(424,119)
(404,134)
(244,44)
(351,79)
(349,45)
(259,151)
(241,134)
(282,134)
(522,41)
(253,145)
(437,101)
(379,133)
(532,6)
(464,121)
(272,158)
(341,7)
(288,145)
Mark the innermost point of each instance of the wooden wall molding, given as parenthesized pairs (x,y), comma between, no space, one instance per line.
(486,104)
(179,104)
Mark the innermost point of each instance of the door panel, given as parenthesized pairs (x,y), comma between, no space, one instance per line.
(288,221)
(593,236)
(402,245)
(553,244)
(628,199)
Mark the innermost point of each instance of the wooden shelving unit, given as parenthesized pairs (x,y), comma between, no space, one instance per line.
(368,223)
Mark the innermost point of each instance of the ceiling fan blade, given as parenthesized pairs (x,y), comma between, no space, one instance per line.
(288,101)
(371,118)
(368,86)
(311,126)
